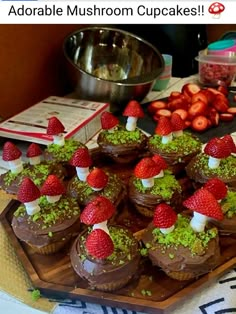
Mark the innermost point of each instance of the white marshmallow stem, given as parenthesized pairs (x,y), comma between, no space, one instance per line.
(198,222)
(35,160)
(167,138)
(102,225)
(32,207)
(178,133)
(16,166)
(213,162)
(53,199)
(160,174)
(148,183)
(59,139)
(82,173)
(96,189)
(131,123)
(167,230)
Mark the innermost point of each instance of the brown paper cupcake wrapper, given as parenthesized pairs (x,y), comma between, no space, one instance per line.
(50,248)
(181,276)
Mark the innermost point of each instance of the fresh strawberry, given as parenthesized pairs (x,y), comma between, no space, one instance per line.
(163,112)
(209,95)
(164,126)
(179,103)
(197,108)
(10,152)
(174,95)
(183,113)
(98,210)
(55,126)
(160,161)
(232,110)
(177,122)
(81,158)
(200,96)
(99,244)
(217,187)
(108,120)
(146,168)
(155,105)
(187,123)
(164,216)
(204,202)
(228,140)
(214,91)
(27,191)
(133,109)
(217,148)
(33,150)
(214,117)
(199,124)
(97,178)
(223,90)
(190,89)
(52,186)
(221,103)
(226,117)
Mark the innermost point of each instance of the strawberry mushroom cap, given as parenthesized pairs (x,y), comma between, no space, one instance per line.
(97,179)
(133,111)
(178,124)
(56,129)
(82,160)
(146,170)
(12,155)
(53,188)
(34,154)
(162,163)
(216,8)
(108,121)
(204,205)
(217,187)
(97,212)
(29,194)
(164,128)
(216,149)
(228,140)
(164,218)
(99,244)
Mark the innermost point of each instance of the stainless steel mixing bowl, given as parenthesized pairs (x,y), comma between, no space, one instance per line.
(110,65)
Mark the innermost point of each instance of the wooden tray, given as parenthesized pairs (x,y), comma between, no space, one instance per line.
(55,278)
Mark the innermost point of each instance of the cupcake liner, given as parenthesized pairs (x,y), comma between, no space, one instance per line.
(50,248)
(111,286)
(180,275)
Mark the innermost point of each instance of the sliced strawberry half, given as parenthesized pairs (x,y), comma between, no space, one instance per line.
(200,96)
(217,187)
(97,178)
(99,244)
(221,103)
(163,112)
(28,191)
(226,117)
(55,126)
(10,152)
(232,110)
(155,105)
(34,150)
(164,216)
(108,120)
(53,186)
(199,124)
(197,108)
(183,113)
(190,89)
(81,158)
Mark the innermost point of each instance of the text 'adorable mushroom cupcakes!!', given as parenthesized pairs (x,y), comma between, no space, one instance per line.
(107,256)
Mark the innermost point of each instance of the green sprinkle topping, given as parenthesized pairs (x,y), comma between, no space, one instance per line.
(144,251)
(35,294)
(146,292)
(186,144)
(64,153)
(122,136)
(171,256)
(184,235)
(50,234)
(228,204)
(165,186)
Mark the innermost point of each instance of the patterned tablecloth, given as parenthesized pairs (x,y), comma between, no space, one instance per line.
(218,298)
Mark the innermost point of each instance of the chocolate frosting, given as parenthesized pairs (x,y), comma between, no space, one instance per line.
(114,190)
(38,173)
(99,272)
(37,232)
(183,259)
(198,170)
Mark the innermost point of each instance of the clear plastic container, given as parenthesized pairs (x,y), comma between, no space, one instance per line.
(216,70)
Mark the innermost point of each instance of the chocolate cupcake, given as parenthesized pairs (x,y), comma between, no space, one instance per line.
(121,144)
(35,168)
(176,146)
(216,161)
(106,256)
(45,223)
(177,249)
(150,185)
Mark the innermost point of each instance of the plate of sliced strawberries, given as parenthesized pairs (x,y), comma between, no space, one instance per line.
(206,111)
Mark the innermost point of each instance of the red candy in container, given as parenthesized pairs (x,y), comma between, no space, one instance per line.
(216,69)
